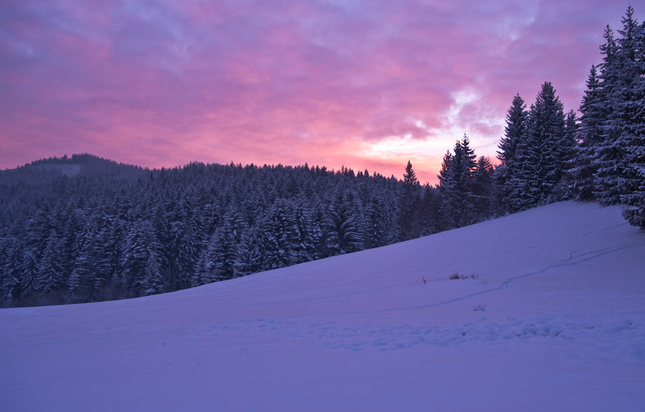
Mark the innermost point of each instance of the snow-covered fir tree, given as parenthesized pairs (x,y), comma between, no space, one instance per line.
(141,266)
(515,128)
(619,72)
(455,185)
(407,225)
(345,224)
(541,154)
(279,236)
(483,189)
(594,112)
(611,156)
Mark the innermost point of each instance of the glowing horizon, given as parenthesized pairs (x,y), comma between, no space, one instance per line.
(365,85)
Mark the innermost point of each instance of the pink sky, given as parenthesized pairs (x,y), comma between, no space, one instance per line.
(364,84)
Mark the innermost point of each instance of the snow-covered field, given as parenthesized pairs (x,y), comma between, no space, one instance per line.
(563,329)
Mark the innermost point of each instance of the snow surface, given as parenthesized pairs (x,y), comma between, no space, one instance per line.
(563,288)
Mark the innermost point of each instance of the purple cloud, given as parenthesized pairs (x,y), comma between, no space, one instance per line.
(354,83)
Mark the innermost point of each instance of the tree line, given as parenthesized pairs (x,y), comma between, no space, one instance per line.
(84,229)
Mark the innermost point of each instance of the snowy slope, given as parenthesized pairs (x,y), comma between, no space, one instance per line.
(563,329)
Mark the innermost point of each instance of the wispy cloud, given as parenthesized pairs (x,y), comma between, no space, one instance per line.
(365,84)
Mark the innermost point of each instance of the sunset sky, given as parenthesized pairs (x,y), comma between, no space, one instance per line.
(364,84)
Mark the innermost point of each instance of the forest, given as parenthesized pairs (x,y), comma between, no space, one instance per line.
(85,229)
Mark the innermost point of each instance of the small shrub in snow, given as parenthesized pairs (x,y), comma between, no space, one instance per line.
(480,308)
(456,275)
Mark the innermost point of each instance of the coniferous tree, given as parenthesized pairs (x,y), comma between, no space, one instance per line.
(570,145)
(29,284)
(219,257)
(470,159)
(607,156)
(430,210)
(446,186)
(249,255)
(408,222)
(516,122)
(90,271)
(632,138)
(111,257)
(12,261)
(541,154)
(379,221)
(305,234)
(594,112)
(455,185)
(482,189)
(141,260)
(279,237)
(513,132)
(319,223)
(51,268)
(344,224)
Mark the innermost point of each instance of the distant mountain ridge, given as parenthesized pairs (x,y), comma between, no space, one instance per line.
(42,172)
(72,165)
(68,170)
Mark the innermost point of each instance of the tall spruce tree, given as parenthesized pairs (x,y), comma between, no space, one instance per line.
(513,132)
(249,254)
(279,240)
(50,268)
(632,138)
(141,260)
(571,143)
(482,189)
(541,154)
(608,156)
(379,221)
(516,122)
(455,185)
(594,112)
(345,224)
(408,221)
(12,251)
(305,234)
